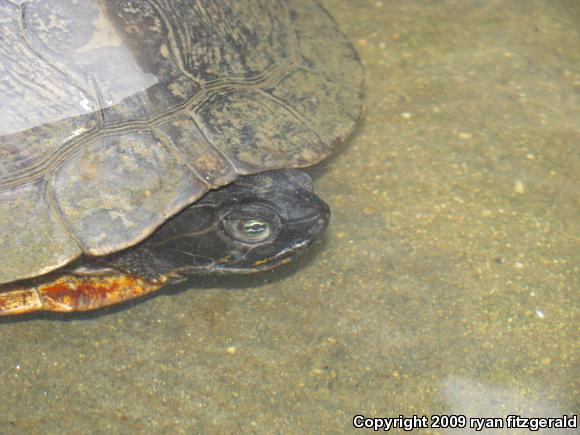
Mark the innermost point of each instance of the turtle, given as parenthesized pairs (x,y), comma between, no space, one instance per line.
(143,142)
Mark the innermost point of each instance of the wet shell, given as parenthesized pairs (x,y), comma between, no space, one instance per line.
(118,114)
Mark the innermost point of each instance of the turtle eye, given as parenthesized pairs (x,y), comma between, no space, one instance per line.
(242,226)
(248,230)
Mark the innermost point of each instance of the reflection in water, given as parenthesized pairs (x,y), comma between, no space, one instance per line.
(66,60)
(475,399)
(111,60)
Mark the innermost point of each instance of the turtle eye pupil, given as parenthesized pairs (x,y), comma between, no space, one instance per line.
(255,227)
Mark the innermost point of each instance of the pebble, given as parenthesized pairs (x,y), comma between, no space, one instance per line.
(519,187)
(406,115)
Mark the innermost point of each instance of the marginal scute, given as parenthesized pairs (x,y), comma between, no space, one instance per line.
(116,191)
(21,152)
(309,95)
(197,152)
(32,238)
(258,133)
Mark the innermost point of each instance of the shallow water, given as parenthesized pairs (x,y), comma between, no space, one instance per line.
(447,284)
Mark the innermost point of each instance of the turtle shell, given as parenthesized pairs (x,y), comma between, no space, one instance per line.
(117,114)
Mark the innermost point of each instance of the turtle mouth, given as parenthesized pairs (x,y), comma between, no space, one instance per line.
(300,244)
(316,227)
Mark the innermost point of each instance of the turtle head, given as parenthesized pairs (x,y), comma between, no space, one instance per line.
(256,223)
(264,220)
